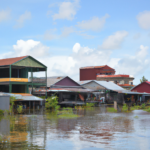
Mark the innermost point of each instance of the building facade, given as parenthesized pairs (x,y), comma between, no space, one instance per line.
(90,73)
(142,87)
(106,73)
(14,74)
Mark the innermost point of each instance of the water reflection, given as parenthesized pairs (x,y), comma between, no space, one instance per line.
(94,129)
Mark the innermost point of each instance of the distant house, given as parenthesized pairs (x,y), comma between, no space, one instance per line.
(106,73)
(67,90)
(15,80)
(62,82)
(142,87)
(101,85)
(14,74)
(91,72)
(111,91)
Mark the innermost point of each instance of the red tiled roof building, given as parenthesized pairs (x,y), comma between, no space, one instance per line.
(105,73)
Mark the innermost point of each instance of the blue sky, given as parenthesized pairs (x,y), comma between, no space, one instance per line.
(67,35)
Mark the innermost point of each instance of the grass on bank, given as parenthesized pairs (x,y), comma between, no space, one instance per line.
(66,113)
(111,109)
(136,107)
(125,108)
(52,105)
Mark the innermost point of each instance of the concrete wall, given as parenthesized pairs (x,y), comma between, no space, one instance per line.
(4,102)
(4,127)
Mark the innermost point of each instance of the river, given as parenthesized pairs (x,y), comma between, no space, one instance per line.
(95,129)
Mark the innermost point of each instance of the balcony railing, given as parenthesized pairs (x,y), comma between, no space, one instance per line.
(14,79)
(38,80)
(35,80)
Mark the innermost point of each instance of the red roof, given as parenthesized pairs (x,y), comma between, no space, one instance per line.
(10,61)
(90,67)
(109,76)
(147,82)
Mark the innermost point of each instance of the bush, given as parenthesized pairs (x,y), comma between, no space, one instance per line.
(143,106)
(90,104)
(20,109)
(12,101)
(52,103)
(1,112)
(148,110)
(111,109)
(125,107)
(67,113)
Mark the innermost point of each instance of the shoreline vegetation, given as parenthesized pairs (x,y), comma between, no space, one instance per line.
(143,107)
(52,106)
(126,108)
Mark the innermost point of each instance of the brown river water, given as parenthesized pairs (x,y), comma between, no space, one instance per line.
(95,129)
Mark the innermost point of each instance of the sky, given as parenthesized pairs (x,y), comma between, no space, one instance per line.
(67,35)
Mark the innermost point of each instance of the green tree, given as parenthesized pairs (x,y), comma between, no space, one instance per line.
(52,103)
(143,79)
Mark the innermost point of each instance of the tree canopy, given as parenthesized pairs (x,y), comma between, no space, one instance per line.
(143,79)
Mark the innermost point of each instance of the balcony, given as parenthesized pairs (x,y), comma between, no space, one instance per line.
(37,80)
(14,80)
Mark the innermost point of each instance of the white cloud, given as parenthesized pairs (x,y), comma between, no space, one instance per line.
(137,36)
(67,10)
(76,47)
(22,19)
(50,34)
(30,47)
(114,41)
(85,35)
(4,15)
(95,24)
(144,19)
(67,30)
(134,65)
(80,56)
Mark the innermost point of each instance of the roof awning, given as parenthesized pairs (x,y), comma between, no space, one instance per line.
(24,97)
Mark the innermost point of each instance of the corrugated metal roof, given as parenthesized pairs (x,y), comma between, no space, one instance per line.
(131,92)
(108,85)
(54,79)
(65,90)
(9,61)
(90,67)
(78,90)
(25,98)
